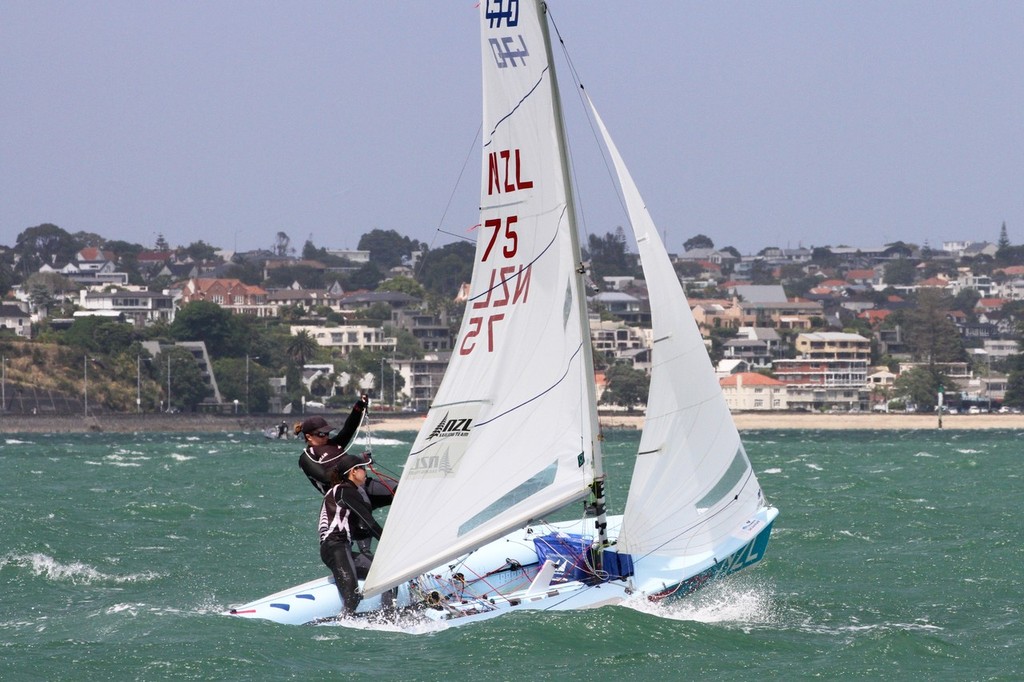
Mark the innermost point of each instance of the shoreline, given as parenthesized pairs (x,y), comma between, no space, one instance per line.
(390,423)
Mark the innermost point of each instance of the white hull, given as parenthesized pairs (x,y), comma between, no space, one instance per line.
(483,585)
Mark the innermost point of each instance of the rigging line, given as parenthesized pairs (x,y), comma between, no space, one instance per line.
(451,197)
(580,94)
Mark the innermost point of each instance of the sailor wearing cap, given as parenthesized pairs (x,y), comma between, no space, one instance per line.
(346,517)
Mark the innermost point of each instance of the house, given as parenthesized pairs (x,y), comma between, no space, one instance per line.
(422,377)
(140,308)
(613,339)
(782,314)
(716,313)
(307,299)
(624,306)
(230,294)
(13,318)
(431,331)
(833,346)
(754,352)
(347,338)
(752,391)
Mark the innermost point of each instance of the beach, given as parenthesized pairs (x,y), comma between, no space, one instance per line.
(388,422)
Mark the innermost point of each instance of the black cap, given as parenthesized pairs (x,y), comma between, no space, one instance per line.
(349,462)
(314,424)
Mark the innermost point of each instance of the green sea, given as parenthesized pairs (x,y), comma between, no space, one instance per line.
(897,555)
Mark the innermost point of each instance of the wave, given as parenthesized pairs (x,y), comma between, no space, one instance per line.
(76,573)
(741,600)
(365,441)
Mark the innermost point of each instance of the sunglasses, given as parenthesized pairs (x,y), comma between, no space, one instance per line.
(322,434)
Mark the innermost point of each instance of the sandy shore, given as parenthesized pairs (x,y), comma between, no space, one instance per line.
(800,420)
(384,423)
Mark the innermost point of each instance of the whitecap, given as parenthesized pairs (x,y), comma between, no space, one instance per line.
(74,572)
(366,441)
(737,600)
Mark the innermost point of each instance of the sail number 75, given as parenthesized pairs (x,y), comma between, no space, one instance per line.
(476,326)
(510,248)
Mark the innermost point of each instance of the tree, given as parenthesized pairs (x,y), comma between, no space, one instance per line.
(366,277)
(965,301)
(7,279)
(207,321)
(281,246)
(44,244)
(99,334)
(698,241)
(232,381)
(406,343)
(310,252)
(822,256)
(626,386)
(183,379)
(200,251)
(761,272)
(307,276)
(1004,239)
(403,285)
(920,386)
(388,248)
(46,288)
(899,271)
(1014,389)
(161,243)
(929,334)
(608,255)
(442,271)
(302,347)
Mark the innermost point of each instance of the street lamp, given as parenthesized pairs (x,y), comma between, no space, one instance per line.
(85,384)
(247,358)
(138,384)
(168,382)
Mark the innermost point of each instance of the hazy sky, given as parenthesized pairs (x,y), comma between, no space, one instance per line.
(809,123)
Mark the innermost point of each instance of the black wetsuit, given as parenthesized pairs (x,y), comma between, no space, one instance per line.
(316,461)
(346,517)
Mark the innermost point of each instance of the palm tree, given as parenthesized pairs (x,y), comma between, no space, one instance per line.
(302,347)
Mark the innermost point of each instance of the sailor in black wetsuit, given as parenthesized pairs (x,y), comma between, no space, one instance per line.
(325,447)
(346,517)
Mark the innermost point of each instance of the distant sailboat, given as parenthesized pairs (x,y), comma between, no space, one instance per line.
(513,433)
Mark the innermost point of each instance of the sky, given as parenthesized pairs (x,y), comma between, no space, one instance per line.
(769,123)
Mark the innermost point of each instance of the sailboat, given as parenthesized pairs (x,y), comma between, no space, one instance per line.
(513,434)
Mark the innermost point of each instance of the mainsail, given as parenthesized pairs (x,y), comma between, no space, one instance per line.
(511,434)
(692,482)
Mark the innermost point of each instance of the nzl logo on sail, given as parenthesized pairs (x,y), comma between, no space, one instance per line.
(506,53)
(448,428)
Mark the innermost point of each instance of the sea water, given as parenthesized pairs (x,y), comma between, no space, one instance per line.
(897,555)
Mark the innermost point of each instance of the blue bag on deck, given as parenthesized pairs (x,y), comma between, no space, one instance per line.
(568,549)
(617,565)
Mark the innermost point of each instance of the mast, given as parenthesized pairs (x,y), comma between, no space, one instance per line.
(597,484)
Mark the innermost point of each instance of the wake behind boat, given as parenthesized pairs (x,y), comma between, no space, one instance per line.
(513,433)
